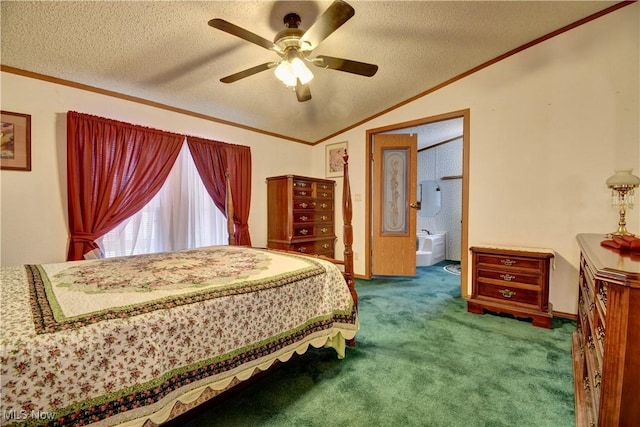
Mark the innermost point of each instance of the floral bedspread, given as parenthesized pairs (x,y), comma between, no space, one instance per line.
(108,341)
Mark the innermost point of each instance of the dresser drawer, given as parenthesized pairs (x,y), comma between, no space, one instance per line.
(312,204)
(320,247)
(304,204)
(299,183)
(510,261)
(306,217)
(324,193)
(511,294)
(508,276)
(302,192)
(323,205)
(313,230)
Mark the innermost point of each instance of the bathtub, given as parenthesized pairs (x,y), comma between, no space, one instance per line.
(430,249)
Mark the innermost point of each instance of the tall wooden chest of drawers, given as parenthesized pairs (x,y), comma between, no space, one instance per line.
(606,344)
(511,281)
(301,214)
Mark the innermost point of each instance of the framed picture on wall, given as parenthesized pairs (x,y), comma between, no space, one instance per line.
(15,150)
(334,159)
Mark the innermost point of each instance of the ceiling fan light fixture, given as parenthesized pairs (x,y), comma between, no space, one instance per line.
(290,71)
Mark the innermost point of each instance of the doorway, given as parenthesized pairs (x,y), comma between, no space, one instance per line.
(462,181)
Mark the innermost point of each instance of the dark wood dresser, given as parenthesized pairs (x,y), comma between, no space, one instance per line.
(511,281)
(301,214)
(606,344)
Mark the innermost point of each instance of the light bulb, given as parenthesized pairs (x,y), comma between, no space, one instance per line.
(284,73)
(301,71)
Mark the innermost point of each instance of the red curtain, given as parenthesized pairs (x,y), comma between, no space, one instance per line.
(113,170)
(212,159)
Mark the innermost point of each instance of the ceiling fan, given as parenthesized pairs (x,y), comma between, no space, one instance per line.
(295,46)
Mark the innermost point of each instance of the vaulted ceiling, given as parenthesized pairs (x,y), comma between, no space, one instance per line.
(163,52)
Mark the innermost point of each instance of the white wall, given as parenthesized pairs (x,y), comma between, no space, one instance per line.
(33,213)
(547,127)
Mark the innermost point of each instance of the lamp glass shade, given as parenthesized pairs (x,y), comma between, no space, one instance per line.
(289,71)
(623,178)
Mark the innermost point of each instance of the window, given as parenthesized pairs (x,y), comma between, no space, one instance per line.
(182,215)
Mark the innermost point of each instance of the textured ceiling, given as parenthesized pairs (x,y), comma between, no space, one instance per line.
(164,52)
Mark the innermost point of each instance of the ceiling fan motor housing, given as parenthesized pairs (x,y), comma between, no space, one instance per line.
(290,36)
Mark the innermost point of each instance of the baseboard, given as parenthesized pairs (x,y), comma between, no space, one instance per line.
(570,316)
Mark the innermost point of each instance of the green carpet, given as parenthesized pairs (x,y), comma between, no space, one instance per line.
(420,360)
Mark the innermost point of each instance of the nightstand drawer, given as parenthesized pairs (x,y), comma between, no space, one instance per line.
(509,293)
(506,276)
(510,261)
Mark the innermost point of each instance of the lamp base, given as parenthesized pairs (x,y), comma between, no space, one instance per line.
(621,231)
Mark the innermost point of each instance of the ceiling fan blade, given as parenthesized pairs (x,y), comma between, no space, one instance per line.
(248,72)
(233,29)
(303,93)
(337,14)
(347,65)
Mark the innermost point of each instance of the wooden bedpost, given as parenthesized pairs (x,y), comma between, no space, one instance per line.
(347,213)
(228,208)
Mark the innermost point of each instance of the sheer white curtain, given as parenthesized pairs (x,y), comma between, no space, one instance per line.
(182,215)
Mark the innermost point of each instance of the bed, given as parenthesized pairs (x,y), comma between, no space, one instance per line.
(140,340)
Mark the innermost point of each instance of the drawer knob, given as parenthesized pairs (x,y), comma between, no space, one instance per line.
(304,218)
(325,246)
(302,249)
(324,217)
(507,262)
(325,194)
(303,193)
(507,293)
(507,277)
(303,205)
(304,231)
(324,229)
(323,205)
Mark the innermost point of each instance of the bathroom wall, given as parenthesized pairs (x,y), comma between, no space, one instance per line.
(434,163)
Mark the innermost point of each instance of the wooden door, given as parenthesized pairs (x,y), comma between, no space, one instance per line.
(393,251)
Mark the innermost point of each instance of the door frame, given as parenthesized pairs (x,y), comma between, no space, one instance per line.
(464,252)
